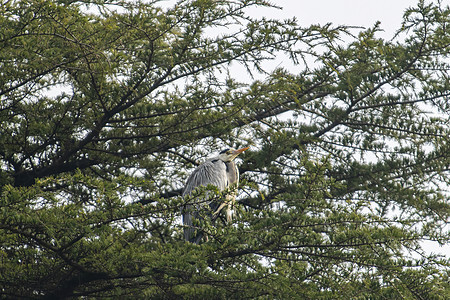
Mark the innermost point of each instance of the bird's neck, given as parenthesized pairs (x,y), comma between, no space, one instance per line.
(232,171)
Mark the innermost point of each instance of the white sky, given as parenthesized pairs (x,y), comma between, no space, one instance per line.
(348,12)
(358,13)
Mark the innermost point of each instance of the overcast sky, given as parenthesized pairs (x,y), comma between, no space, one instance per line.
(360,13)
(344,12)
(348,12)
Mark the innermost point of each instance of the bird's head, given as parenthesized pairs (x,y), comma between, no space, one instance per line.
(230,154)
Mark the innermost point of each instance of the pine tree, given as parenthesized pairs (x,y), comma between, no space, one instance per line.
(105,108)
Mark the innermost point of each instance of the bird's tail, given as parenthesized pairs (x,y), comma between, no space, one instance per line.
(190,233)
(187,222)
(196,239)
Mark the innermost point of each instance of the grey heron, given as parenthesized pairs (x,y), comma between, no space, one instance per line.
(220,171)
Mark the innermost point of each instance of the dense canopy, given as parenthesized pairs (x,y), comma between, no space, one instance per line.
(107,106)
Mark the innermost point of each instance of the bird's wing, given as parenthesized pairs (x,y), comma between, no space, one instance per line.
(212,172)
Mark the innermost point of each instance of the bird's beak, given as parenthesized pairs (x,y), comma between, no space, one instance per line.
(239,151)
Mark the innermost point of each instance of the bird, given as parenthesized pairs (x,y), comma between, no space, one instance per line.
(220,171)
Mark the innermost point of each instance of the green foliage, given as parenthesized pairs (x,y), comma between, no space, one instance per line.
(105,107)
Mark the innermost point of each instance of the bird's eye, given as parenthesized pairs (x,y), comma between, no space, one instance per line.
(229,152)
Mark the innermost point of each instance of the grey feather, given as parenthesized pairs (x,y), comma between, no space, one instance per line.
(215,172)
(212,171)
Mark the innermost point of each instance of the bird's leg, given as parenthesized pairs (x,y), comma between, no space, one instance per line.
(218,210)
(229,213)
(229,202)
